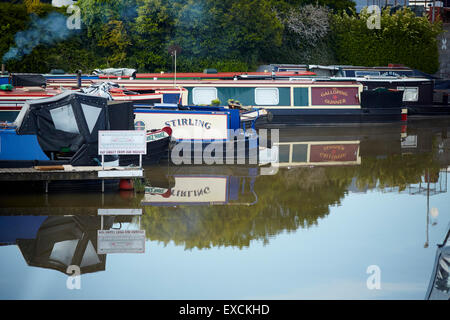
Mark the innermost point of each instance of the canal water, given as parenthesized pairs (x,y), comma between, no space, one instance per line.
(350,213)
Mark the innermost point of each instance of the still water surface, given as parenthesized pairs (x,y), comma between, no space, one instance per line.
(344,199)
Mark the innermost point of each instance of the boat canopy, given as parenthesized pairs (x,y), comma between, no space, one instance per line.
(69,121)
(64,241)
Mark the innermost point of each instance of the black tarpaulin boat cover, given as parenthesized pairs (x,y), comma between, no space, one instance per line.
(70,121)
(64,241)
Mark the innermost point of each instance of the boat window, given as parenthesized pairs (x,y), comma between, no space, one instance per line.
(267,96)
(366,73)
(64,119)
(284,153)
(410,93)
(91,115)
(63,251)
(90,256)
(204,95)
(299,153)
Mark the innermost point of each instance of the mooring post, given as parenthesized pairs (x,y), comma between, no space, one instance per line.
(46,186)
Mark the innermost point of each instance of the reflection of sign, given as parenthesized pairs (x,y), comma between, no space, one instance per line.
(187,125)
(122,142)
(191,190)
(156,190)
(334,152)
(120,173)
(120,241)
(334,96)
(119,212)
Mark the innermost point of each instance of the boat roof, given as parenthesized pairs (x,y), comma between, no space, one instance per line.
(30,92)
(212,75)
(244,83)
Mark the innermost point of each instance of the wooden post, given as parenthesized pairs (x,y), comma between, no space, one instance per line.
(175,78)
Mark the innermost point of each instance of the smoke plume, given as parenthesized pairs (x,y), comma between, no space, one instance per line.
(42,31)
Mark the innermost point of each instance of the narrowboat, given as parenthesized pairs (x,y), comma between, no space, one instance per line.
(26,87)
(346,71)
(63,129)
(208,134)
(294,102)
(423,94)
(114,74)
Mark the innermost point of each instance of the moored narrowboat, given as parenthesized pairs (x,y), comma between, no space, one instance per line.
(294,101)
(423,94)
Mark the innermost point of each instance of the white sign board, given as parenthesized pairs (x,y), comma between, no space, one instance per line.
(122,142)
(189,125)
(121,173)
(120,241)
(119,212)
(192,190)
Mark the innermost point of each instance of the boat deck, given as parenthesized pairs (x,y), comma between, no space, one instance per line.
(67,172)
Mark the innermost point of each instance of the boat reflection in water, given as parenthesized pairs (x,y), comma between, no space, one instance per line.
(204,207)
(318,169)
(58,242)
(209,185)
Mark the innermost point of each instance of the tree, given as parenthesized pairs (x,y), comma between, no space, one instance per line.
(403,38)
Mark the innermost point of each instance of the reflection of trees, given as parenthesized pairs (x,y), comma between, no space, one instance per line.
(394,171)
(293,198)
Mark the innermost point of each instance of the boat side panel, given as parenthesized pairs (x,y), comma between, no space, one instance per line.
(19,147)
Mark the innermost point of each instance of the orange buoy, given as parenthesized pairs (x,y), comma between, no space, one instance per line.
(126,184)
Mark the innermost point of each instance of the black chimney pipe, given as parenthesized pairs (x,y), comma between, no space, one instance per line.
(78,79)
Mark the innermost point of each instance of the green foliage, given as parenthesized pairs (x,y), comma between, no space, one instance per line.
(403,38)
(223,34)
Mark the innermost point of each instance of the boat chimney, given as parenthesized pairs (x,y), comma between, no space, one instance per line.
(78,79)
(3,68)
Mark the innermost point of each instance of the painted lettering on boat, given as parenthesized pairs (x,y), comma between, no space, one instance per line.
(156,136)
(334,152)
(334,96)
(333,92)
(183,122)
(191,193)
